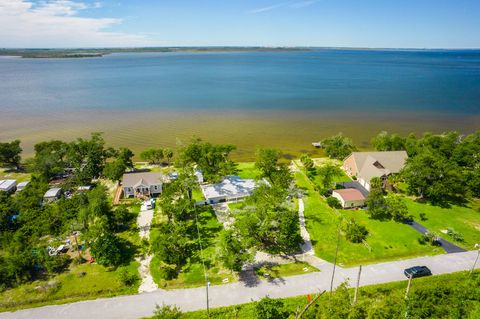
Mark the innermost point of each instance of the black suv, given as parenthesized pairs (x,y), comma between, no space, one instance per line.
(417,271)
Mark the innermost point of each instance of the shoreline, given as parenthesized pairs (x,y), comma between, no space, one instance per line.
(292,132)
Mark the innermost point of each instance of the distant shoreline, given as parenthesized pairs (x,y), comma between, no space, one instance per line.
(72,53)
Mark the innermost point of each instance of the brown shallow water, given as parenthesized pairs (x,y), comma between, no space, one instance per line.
(291,132)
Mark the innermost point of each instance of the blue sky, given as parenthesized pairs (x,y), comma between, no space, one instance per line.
(345,23)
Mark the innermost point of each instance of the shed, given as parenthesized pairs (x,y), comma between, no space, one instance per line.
(52,194)
(21,186)
(349,197)
(8,185)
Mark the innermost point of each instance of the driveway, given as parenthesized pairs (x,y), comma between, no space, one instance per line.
(142,305)
(446,245)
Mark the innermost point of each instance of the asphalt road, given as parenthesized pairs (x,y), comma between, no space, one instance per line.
(141,305)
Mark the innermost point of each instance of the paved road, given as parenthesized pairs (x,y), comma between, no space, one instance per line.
(137,306)
(446,245)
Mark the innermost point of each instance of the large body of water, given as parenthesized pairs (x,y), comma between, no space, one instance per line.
(279,99)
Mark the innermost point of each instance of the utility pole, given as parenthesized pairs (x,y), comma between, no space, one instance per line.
(408,286)
(476,259)
(207,283)
(358,284)
(335,260)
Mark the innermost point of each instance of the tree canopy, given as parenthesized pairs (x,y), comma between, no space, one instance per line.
(10,154)
(338,146)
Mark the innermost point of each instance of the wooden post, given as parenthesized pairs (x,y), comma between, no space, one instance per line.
(408,286)
(358,284)
(335,260)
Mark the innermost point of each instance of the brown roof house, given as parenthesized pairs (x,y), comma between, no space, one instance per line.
(366,165)
(142,184)
(349,197)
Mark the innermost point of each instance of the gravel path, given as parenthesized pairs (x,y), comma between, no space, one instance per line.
(144,221)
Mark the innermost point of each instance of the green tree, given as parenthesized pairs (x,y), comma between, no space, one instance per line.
(354,232)
(153,155)
(232,252)
(10,154)
(172,245)
(168,155)
(432,176)
(338,146)
(396,207)
(328,173)
(114,170)
(125,156)
(267,161)
(107,249)
(307,161)
(377,206)
(213,159)
(50,158)
(385,142)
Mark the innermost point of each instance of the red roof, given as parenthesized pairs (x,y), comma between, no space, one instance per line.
(349,194)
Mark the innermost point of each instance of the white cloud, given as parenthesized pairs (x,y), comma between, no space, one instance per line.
(25,24)
(290,4)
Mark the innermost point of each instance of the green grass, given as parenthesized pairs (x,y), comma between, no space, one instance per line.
(284,270)
(192,274)
(248,170)
(374,296)
(237,205)
(197,194)
(386,241)
(19,177)
(70,286)
(464,220)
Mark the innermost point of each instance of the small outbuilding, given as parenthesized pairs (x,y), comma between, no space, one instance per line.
(349,197)
(52,195)
(8,185)
(21,186)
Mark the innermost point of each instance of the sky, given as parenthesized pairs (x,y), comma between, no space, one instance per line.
(318,23)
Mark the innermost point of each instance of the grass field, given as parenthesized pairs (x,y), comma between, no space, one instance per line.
(284,270)
(464,220)
(248,170)
(85,281)
(386,240)
(374,296)
(192,274)
(19,177)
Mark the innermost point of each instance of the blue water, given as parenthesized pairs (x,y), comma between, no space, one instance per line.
(323,80)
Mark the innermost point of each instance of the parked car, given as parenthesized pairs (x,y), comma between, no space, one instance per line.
(417,271)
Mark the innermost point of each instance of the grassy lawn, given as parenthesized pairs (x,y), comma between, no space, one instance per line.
(386,241)
(85,281)
(192,274)
(19,177)
(374,296)
(284,270)
(237,205)
(248,170)
(464,220)
(197,194)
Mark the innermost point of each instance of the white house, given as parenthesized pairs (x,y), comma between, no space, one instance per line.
(142,184)
(349,197)
(366,165)
(8,185)
(231,188)
(52,195)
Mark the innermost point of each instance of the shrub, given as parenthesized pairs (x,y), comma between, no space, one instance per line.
(432,238)
(168,272)
(423,216)
(454,234)
(126,277)
(354,232)
(333,202)
(167,312)
(268,308)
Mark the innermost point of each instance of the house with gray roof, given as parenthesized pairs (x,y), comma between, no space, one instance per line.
(143,184)
(8,185)
(366,165)
(230,188)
